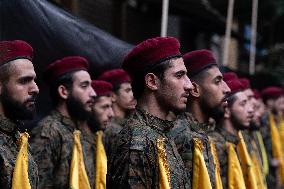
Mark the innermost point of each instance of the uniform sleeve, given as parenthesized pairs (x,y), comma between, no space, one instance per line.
(45,151)
(131,167)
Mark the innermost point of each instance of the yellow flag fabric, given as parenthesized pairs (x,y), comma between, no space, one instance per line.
(265,166)
(281,129)
(261,184)
(20,178)
(78,174)
(164,176)
(235,174)
(200,177)
(101,162)
(246,164)
(218,180)
(276,147)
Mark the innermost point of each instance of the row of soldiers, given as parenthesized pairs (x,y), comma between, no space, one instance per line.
(190,126)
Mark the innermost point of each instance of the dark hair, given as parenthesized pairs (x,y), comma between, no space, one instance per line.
(138,82)
(65,80)
(5,71)
(199,77)
(231,99)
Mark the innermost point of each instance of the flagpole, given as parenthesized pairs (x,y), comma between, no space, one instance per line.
(164,23)
(253,37)
(229,22)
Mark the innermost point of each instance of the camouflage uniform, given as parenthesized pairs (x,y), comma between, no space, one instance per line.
(186,128)
(220,136)
(134,162)
(266,134)
(8,154)
(52,145)
(111,132)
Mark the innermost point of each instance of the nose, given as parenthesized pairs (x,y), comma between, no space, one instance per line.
(111,113)
(93,93)
(188,85)
(227,90)
(34,88)
(250,108)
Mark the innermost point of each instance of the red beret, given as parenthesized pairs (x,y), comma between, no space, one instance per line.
(115,76)
(229,76)
(196,61)
(256,93)
(245,82)
(150,53)
(272,92)
(12,50)
(102,88)
(63,66)
(235,85)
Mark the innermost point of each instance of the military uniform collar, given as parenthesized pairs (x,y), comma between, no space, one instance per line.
(7,125)
(228,136)
(118,120)
(155,122)
(68,122)
(196,126)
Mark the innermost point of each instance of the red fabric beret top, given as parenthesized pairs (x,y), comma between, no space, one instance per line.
(102,88)
(256,93)
(12,50)
(235,85)
(229,76)
(115,76)
(198,60)
(272,92)
(63,66)
(245,82)
(150,53)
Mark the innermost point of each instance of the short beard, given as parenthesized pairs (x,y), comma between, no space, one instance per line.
(237,124)
(217,112)
(15,110)
(94,123)
(76,109)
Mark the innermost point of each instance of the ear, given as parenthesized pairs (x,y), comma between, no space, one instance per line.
(151,81)
(113,97)
(195,91)
(63,92)
(227,113)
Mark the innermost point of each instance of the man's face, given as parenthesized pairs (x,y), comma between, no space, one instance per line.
(258,109)
(173,89)
(124,97)
(279,104)
(103,110)
(18,95)
(213,91)
(241,111)
(81,98)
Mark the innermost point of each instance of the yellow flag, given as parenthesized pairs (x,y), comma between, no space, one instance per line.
(281,129)
(200,177)
(261,184)
(20,178)
(246,164)
(164,176)
(265,167)
(235,174)
(218,180)
(101,162)
(276,147)
(78,174)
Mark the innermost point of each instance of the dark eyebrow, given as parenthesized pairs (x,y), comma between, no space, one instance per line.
(85,83)
(26,78)
(181,72)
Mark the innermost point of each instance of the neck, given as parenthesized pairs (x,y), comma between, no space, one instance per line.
(228,126)
(62,109)
(195,108)
(118,111)
(150,104)
(2,110)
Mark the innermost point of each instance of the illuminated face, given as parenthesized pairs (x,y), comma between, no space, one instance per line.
(124,97)
(18,95)
(103,110)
